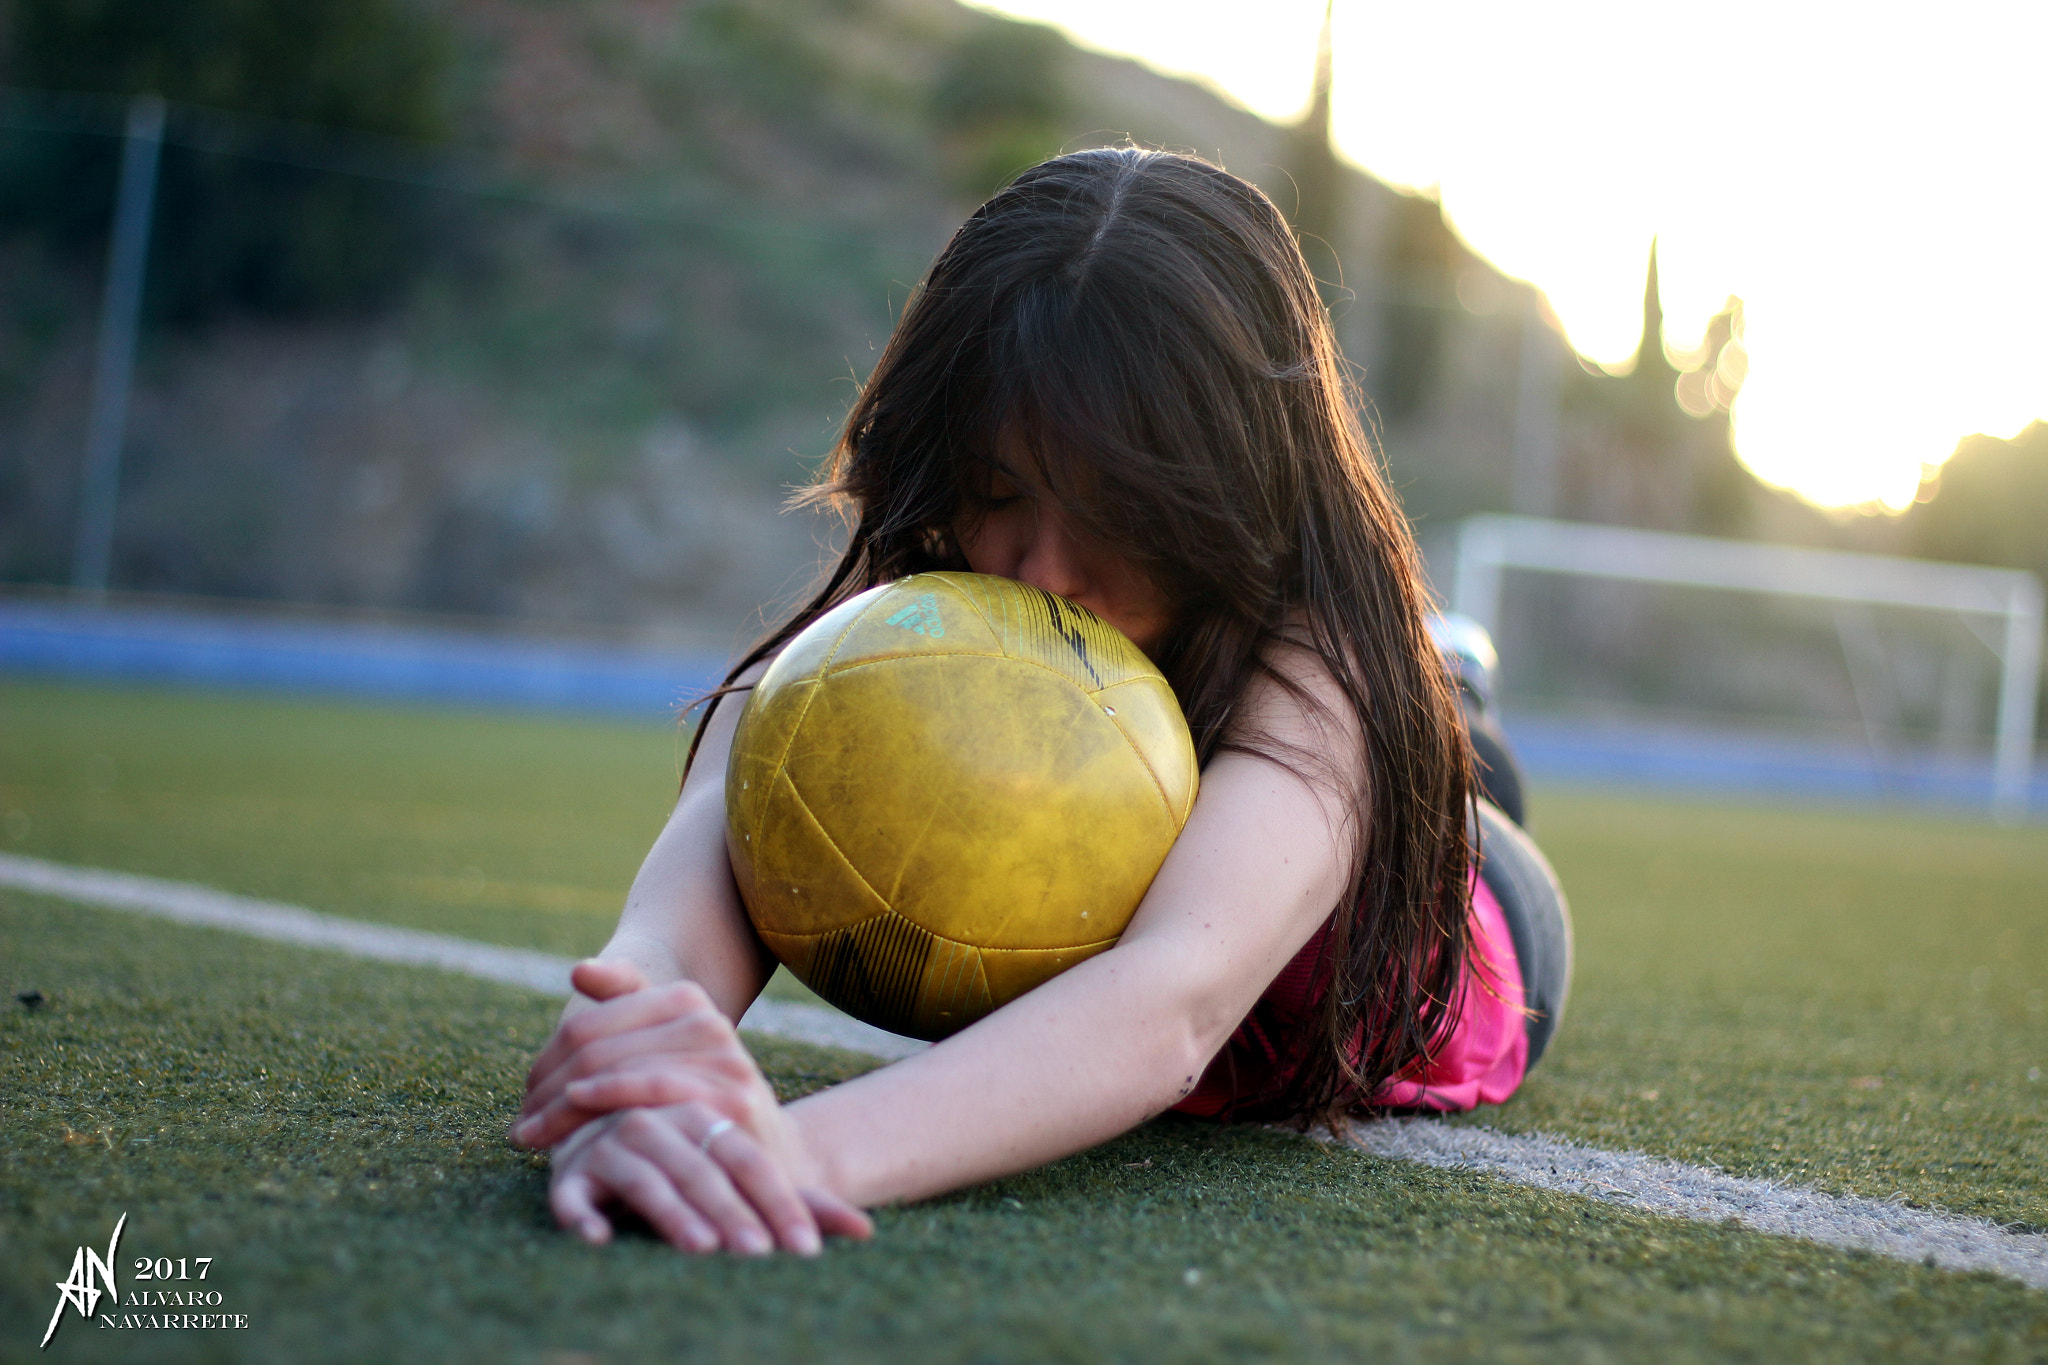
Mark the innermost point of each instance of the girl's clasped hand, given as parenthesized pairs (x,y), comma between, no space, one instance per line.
(651,1101)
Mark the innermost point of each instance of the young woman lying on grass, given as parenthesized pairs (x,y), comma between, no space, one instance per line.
(1117,384)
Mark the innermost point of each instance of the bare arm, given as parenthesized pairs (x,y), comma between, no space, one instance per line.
(662,998)
(683,919)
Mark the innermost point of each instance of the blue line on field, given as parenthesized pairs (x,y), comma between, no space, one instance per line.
(421,663)
(1705,758)
(146,645)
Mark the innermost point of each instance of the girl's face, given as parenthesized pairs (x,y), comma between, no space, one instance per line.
(1018,531)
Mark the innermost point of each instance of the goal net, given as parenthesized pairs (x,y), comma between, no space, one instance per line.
(1898,651)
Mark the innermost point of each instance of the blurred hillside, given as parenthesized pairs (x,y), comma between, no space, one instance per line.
(1988,504)
(535,309)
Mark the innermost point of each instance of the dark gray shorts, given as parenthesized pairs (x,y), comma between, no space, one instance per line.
(1539,921)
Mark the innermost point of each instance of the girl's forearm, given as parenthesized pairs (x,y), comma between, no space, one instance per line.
(1084,1057)
(683,918)
(651,953)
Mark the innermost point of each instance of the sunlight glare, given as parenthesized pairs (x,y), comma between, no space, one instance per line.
(1872,190)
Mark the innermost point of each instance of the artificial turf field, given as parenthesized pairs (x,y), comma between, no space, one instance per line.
(1852,1001)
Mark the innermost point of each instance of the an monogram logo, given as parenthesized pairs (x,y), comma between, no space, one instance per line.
(79,1290)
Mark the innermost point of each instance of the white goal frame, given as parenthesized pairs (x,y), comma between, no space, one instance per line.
(1488,546)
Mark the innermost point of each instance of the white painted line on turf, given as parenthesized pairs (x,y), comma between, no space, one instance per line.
(190,904)
(545,972)
(1652,1184)
(1657,1185)
(801,1023)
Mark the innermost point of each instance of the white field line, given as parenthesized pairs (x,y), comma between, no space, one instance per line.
(545,972)
(1652,1184)
(1657,1185)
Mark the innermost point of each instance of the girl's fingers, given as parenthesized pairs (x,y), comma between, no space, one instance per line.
(573,1197)
(702,1042)
(766,1187)
(603,978)
(648,1085)
(635,1009)
(650,1191)
(586,1042)
(696,1176)
(590,1171)
(836,1217)
(651,1083)
(731,1195)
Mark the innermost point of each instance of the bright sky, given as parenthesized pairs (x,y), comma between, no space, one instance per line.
(1871,180)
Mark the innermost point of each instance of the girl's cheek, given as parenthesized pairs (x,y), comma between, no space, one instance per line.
(975,550)
(994,544)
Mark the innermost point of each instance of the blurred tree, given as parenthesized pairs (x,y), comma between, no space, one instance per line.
(1423,256)
(1725,494)
(1654,446)
(1312,162)
(370,66)
(1988,504)
(1652,370)
(1000,101)
(235,231)
(767,61)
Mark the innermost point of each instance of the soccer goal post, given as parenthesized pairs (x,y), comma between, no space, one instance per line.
(1488,546)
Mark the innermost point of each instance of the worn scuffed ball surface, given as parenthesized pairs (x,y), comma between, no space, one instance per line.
(947,791)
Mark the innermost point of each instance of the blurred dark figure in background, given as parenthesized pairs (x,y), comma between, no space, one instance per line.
(1469,656)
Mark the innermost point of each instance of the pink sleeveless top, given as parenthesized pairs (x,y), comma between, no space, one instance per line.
(1481,1060)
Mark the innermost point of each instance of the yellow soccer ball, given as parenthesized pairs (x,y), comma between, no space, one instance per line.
(949,790)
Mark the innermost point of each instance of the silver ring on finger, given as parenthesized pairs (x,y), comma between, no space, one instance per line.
(714,1133)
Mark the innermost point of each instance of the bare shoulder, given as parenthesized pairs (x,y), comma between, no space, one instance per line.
(1299,702)
(720,726)
(1297,717)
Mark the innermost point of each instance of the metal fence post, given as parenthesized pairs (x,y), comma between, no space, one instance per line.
(120,312)
(1475,592)
(2018,696)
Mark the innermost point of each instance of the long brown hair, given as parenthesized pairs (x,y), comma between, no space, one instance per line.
(1146,323)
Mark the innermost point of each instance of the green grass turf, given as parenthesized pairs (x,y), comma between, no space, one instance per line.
(1850,1000)
(504,827)
(495,826)
(329,1131)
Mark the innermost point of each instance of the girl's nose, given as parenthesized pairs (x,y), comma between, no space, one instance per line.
(1053,558)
